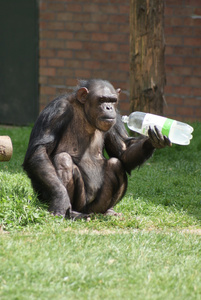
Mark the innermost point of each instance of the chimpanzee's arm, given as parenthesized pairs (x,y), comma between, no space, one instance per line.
(132,151)
(44,138)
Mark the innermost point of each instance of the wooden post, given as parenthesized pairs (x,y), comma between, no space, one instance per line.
(6,148)
(147,46)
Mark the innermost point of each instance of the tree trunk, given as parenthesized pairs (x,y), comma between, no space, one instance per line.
(147,47)
(6,148)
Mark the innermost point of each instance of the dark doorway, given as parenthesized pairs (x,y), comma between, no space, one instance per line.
(18,61)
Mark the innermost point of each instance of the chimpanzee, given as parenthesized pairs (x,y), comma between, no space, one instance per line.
(65,159)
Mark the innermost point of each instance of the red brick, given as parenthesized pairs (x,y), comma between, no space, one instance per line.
(198,113)
(109,9)
(64,35)
(168,89)
(119,19)
(71,26)
(197,31)
(105,27)
(92,46)
(43,79)
(83,74)
(185,111)
(74,7)
(172,40)
(47,71)
(124,66)
(174,60)
(197,11)
(74,45)
(174,21)
(124,48)
(65,16)
(192,41)
(91,8)
(55,62)
(92,65)
(168,30)
(55,80)
(182,70)
(124,9)
(189,21)
(82,36)
(183,11)
(56,6)
(183,90)
(65,53)
(47,34)
(192,81)
(47,16)
(56,44)
(193,2)
(99,18)
(100,37)
(110,47)
(181,50)
(91,27)
(174,80)
(168,10)
(197,71)
(67,72)
(55,25)
(74,64)
(174,3)
(192,61)
(124,106)
(119,38)
(42,44)
(47,52)
(182,31)
(169,111)
(192,102)
(71,82)
(174,100)
(43,62)
(47,90)
(197,91)
(169,50)
(82,55)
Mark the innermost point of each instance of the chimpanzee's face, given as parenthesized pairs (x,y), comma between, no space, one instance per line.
(100,107)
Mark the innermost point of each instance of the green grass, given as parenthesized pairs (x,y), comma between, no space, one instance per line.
(152,252)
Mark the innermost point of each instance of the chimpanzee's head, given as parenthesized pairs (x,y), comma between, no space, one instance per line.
(99,99)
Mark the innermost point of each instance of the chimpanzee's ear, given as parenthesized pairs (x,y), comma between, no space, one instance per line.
(82,94)
(118,91)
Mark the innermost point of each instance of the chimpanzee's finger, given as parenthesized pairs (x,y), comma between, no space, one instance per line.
(167,141)
(153,136)
(159,134)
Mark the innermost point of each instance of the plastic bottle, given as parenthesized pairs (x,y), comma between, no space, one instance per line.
(178,132)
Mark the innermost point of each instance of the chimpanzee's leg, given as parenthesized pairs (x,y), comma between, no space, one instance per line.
(71,178)
(112,190)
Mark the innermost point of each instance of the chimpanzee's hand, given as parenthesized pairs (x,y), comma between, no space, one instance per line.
(157,139)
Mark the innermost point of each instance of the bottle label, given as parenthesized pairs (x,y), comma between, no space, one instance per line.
(162,123)
(166,127)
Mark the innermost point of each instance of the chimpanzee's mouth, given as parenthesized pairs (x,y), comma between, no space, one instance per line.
(106,119)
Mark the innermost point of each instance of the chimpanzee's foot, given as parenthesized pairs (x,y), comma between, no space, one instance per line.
(111,212)
(74,215)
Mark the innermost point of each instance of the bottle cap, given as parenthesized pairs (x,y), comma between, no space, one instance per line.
(125,119)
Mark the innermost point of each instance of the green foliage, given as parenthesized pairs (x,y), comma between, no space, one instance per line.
(153,251)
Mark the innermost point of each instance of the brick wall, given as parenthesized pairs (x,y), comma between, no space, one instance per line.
(80,40)
(90,39)
(183,59)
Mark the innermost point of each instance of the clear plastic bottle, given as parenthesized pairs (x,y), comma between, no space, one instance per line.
(178,132)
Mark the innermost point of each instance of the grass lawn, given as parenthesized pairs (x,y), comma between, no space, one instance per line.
(152,252)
